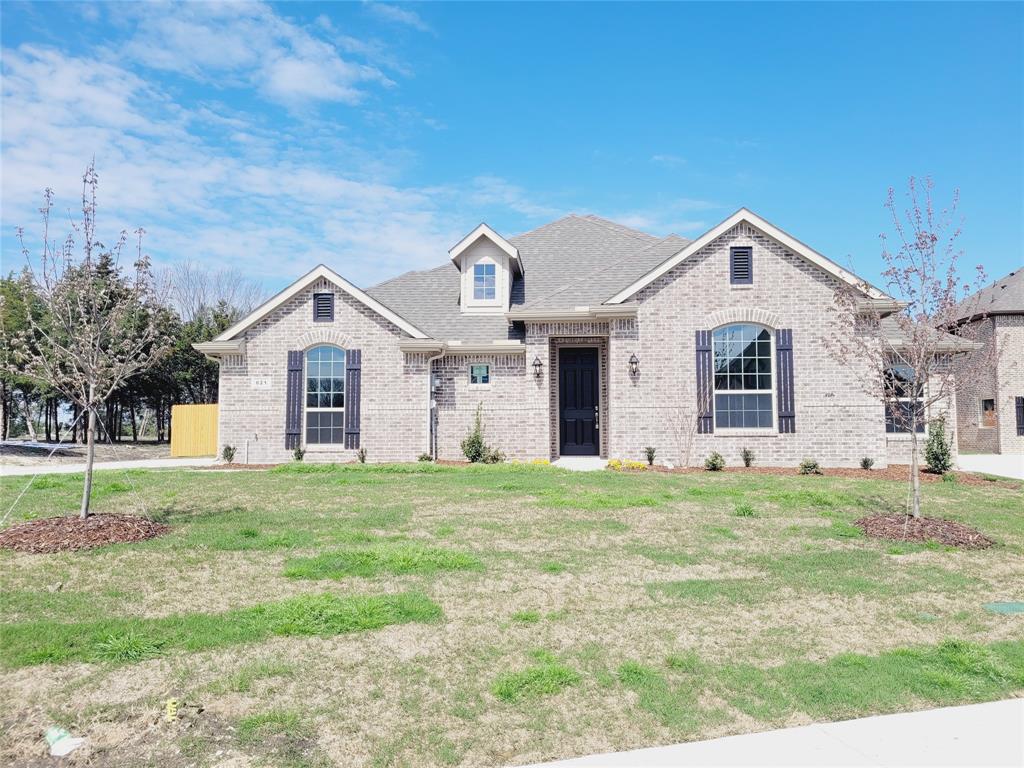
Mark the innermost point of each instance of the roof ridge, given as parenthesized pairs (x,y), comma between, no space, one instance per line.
(614,226)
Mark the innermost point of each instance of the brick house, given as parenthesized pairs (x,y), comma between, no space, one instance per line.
(581,337)
(990,398)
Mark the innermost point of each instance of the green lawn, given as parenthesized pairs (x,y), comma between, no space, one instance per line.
(421,615)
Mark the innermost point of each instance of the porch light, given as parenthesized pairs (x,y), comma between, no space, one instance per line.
(634,365)
(536,367)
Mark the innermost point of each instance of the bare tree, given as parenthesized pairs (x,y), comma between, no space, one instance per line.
(97,326)
(197,291)
(902,346)
(682,421)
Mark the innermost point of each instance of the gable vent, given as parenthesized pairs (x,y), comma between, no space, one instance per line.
(741,266)
(323,307)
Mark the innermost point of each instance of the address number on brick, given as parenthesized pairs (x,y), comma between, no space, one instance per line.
(259,382)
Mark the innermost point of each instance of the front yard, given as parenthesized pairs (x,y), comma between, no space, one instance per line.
(424,615)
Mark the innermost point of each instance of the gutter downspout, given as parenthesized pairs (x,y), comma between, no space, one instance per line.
(430,399)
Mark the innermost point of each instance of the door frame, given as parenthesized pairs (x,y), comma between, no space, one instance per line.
(601,348)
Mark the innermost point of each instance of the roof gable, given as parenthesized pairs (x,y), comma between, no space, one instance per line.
(741,216)
(486,232)
(326,273)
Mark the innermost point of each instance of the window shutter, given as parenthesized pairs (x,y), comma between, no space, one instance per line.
(1020,415)
(741,265)
(293,404)
(705,396)
(784,380)
(353,384)
(323,307)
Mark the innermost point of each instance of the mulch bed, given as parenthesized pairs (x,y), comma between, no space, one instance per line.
(67,534)
(235,466)
(905,528)
(900,472)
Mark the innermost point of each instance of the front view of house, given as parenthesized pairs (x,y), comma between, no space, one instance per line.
(581,337)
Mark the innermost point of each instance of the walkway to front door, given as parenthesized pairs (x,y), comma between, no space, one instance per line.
(579,401)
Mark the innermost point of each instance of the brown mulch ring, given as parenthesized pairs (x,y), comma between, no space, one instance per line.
(922,529)
(67,534)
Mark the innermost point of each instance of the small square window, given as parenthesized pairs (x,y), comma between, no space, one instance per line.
(988,413)
(480,373)
(484,282)
(741,266)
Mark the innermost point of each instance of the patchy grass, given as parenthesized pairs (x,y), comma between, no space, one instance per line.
(672,615)
(398,558)
(131,640)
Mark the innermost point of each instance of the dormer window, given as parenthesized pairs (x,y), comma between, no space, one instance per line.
(484,282)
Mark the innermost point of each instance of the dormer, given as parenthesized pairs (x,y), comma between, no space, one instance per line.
(488,263)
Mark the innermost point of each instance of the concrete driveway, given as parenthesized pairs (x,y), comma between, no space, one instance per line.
(976,735)
(1002,464)
(6,470)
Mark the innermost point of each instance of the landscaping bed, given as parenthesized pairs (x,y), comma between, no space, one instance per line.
(68,534)
(923,529)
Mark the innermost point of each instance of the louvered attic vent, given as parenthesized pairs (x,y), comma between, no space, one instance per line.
(741,266)
(323,307)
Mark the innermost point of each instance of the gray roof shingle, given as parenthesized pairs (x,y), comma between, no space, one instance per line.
(574,261)
(1004,296)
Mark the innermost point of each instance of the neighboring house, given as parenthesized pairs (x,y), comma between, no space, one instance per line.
(990,387)
(581,337)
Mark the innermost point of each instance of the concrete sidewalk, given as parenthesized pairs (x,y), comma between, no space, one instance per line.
(976,735)
(16,470)
(1002,464)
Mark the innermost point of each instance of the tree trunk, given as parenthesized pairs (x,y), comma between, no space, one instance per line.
(131,415)
(90,455)
(29,423)
(4,410)
(915,476)
(56,419)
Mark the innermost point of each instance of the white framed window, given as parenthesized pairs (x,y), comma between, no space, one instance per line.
(987,413)
(479,374)
(484,281)
(742,361)
(905,401)
(325,395)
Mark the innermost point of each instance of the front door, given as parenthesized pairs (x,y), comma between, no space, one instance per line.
(578,402)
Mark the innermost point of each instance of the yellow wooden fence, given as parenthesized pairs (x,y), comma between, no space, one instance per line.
(194,430)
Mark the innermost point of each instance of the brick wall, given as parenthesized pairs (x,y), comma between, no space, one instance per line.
(1009,332)
(975,381)
(394,386)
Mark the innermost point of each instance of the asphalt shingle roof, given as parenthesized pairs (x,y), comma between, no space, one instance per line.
(1005,295)
(574,261)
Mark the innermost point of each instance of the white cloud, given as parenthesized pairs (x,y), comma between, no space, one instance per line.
(670,161)
(399,15)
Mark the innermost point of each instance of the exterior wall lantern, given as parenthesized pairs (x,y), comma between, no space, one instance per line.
(536,367)
(634,365)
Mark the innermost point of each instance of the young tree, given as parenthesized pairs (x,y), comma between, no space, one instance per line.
(98,325)
(904,348)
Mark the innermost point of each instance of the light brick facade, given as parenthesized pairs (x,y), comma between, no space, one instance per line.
(837,423)
(980,378)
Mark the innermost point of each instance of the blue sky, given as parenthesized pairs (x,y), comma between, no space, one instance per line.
(371,137)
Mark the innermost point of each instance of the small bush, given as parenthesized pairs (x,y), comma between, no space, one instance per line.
(649,451)
(744,510)
(474,448)
(715,462)
(949,477)
(937,453)
(361,455)
(809,467)
(748,457)
(228,454)
(424,457)
(625,465)
(298,454)
(867,463)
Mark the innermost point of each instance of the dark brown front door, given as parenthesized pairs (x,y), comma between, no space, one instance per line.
(578,402)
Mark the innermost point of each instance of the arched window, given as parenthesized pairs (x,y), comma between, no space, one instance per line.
(325,395)
(742,356)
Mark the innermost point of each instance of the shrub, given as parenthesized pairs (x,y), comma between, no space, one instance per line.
(649,451)
(473,447)
(228,454)
(361,455)
(867,462)
(937,453)
(949,477)
(715,462)
(298,454)
(625,465)
(809,467)
(745,510)
(748,457)
(425,457)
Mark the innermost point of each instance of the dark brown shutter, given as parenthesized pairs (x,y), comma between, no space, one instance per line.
(705,377)
(353,383)
(293,404)
(784,380)
(1020,415)
(323,307)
